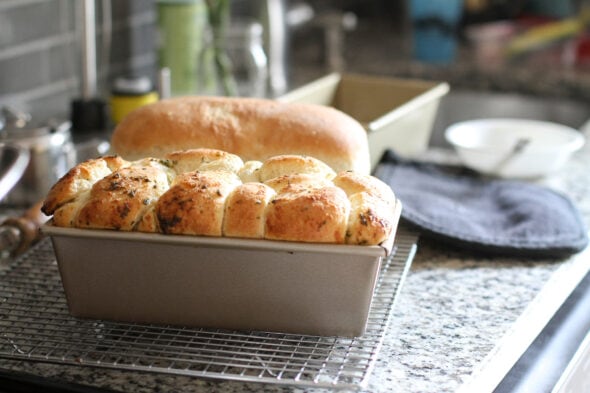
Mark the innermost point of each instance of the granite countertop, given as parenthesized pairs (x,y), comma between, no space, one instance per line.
(453,314)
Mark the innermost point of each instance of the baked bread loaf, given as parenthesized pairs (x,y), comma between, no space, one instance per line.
(210,192)
(253,129)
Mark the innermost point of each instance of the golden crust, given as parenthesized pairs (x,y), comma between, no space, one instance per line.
(79,179)
(65,215)
(292,164)
(371,219)
(297,181)
(119,200)
(213,193)
(352,183)
(204,160)
(315,215)
(253,129)
(149,221)
(195,203)
(372,213)
(160,164)
(245,210)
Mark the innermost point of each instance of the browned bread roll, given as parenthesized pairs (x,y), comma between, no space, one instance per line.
(370,201)
(120,199)
(245,211)
(293,165)
(309,215)
(253,129)
(194,205)
(80,179)
(203,160)
(214,193)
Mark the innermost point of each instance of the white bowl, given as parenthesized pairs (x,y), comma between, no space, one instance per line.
(488,146)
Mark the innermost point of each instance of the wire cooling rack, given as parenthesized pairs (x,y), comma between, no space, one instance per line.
(35,325)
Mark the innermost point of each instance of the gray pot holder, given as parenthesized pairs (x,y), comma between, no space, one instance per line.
(501,217)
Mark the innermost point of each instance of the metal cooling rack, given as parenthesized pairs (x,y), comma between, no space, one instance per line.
(35,325)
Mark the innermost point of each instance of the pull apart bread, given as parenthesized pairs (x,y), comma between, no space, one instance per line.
(214,193)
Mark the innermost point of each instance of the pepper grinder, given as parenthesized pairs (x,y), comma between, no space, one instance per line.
(89,112)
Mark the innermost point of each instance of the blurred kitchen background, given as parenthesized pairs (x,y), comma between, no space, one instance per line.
(536,48)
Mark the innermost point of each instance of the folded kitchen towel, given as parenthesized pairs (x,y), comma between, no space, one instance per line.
(508,217)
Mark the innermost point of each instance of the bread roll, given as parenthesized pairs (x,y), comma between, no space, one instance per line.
(214,193)
(149,221)
(67,214)
(204,160)
(245,210)
(195,203)
(293,164)
(120,199)
(370,220)
(297,182)
(317,215)
(353,183)
(253,129)
(249,172)
(372,205)
(80,179)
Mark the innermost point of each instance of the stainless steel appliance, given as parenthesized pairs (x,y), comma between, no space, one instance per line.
(52,153)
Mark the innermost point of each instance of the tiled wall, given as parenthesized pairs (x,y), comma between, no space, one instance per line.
(40,47)
(40,56)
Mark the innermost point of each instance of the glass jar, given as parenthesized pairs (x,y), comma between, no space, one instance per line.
(236,65)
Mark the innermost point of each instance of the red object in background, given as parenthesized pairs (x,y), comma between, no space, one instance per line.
(582,50)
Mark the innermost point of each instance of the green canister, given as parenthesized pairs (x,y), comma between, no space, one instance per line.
(181,29)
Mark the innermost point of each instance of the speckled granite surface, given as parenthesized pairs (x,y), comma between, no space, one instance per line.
(452,311)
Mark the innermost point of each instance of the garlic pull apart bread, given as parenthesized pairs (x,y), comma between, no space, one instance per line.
(208,192)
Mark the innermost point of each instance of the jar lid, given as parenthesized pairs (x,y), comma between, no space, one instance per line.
(132,85)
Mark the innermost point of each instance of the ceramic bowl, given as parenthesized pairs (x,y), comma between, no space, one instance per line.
(514,148)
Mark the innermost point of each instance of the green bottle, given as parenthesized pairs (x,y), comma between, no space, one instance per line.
(181,35)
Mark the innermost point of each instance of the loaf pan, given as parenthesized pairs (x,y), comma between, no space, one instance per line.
(217,282)
(397,113)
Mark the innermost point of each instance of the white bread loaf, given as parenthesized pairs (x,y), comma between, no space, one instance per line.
(253,129)
(214,193)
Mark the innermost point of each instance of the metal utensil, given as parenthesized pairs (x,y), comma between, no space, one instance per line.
(51,153)
(13,164)
(516,149)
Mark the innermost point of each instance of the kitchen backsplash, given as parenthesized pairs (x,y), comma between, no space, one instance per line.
(40,50)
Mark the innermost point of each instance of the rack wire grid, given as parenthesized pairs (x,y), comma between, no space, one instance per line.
(35,325)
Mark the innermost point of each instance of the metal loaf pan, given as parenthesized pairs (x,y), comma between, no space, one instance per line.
(397,113)
(210,282)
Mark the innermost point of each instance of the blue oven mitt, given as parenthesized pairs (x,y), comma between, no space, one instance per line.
(490,216)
